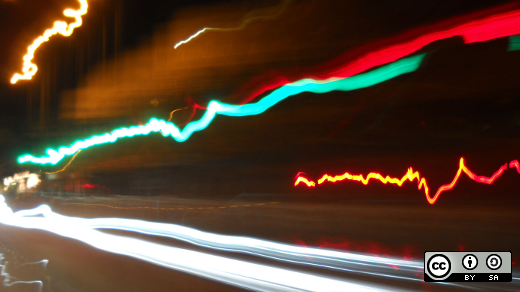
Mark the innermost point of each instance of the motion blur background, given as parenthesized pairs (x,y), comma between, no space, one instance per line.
(120,69)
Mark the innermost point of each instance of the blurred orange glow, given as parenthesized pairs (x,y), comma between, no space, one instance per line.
(61,27)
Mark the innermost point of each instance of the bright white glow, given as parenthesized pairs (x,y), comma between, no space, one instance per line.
(25,180)
(191,37)
(382,266)
(33,180)
(234,272)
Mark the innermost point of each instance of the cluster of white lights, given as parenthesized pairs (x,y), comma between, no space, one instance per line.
(25,180)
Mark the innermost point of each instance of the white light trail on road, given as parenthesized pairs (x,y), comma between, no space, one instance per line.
(231,271)
(10,280)
(42,262)
(325,258)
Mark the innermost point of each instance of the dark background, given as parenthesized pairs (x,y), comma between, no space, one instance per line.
(236,177)
(463,101)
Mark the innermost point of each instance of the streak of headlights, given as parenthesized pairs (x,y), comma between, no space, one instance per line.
(326,258)
(231,271)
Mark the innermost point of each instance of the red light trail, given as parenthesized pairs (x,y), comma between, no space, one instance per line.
(477,27)
(194,107)
(515,164)
(412,175)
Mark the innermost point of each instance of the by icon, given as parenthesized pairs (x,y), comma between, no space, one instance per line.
(469,262)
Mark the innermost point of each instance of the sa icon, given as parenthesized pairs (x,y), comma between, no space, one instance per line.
(494,262)
(439,266)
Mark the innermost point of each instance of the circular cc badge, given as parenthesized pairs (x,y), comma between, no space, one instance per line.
(439,266)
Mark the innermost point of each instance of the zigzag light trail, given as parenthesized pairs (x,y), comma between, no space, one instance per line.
(169,129)
(231,271)
(482,29)
(60,27)
(412,175)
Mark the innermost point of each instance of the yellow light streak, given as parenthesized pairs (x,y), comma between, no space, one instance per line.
(72,159)
(179,109)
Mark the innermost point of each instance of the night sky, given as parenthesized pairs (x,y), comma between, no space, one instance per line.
(463,101)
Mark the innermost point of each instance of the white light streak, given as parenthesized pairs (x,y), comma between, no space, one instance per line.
(231,271)
(10,280)
(258,247)
(246,20)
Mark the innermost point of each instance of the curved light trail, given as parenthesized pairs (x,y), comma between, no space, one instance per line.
(193,107)
(373,77)
(244,23)
(176,110)
(515,164)
(285,252)
(477,30)
(412,175)
(67,165)
(231,271)
(60,27)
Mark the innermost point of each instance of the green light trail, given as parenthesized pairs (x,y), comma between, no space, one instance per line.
(402,66)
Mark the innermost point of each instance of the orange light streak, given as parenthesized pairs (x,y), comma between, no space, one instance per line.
(412,175)
(72,159)
(179,109)
(60,27)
